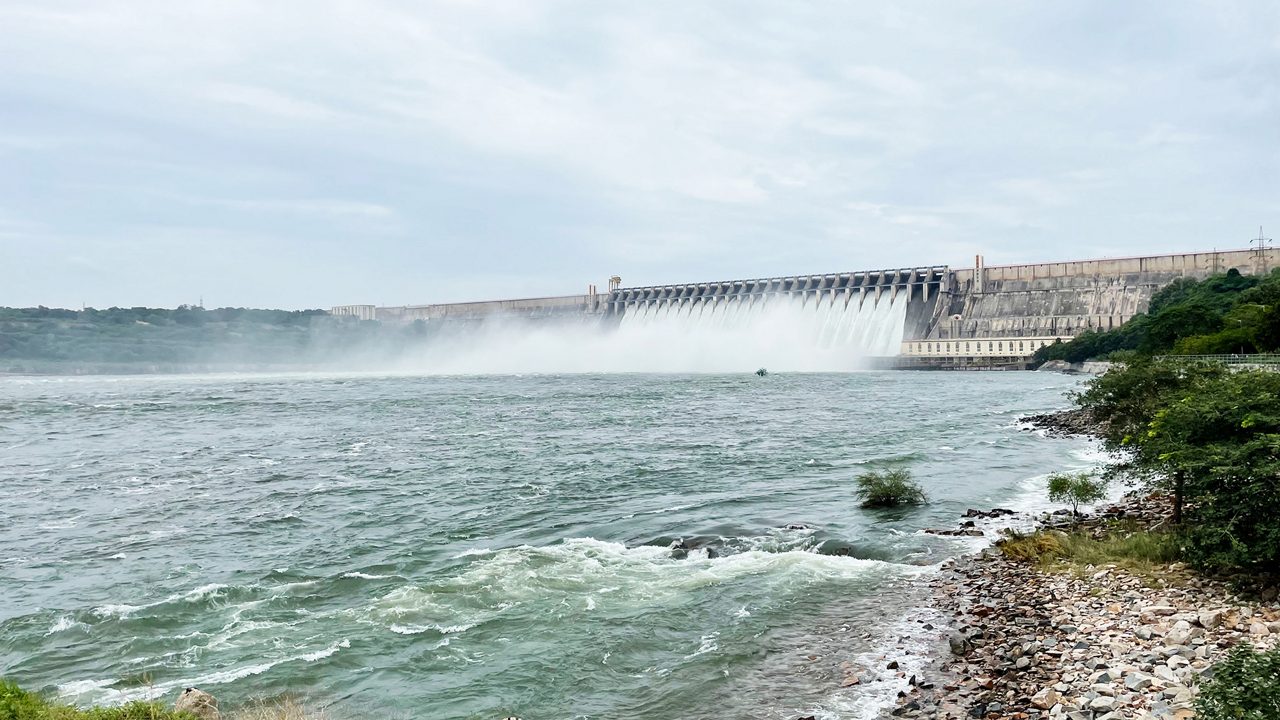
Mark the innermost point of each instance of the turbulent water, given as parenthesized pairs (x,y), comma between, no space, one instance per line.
(472,547)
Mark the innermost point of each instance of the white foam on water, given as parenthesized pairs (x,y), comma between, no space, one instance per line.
(707,644)
(64,623)
(366,576)
(419,629)
(327,652)
(473,552)
(100,691)
(904,641)
(123,611)
(63,524)
(579,573)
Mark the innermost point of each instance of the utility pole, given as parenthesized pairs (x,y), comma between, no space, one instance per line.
(1263,242)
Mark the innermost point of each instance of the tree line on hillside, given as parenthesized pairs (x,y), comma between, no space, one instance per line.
(1228,313)
(188,334)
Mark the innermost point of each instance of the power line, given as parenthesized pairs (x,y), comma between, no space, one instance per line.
(1263,243)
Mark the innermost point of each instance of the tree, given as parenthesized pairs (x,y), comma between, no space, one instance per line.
(1076,490)
(1212,437)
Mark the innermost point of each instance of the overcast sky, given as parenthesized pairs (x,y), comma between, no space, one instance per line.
(310,153)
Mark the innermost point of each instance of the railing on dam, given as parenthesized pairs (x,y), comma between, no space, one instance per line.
(926,283)
(1253,359)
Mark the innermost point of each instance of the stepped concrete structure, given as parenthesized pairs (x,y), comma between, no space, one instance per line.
(956,318)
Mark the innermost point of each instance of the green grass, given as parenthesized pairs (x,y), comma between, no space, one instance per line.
(1124,545)
(888,489)
(18,704)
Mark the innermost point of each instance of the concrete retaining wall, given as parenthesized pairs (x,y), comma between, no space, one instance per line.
(1065,299)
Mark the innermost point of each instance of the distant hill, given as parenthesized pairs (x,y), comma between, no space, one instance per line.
(144,339)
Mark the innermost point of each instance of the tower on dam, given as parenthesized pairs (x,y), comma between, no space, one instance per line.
(923,317)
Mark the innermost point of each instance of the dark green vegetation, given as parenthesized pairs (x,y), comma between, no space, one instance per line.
(42,339)
(1223,314)
(1076,490)
(18,704)
(888,489)
(1245,686)
(1208,435)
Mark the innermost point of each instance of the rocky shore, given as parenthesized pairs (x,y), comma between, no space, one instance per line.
(1102,644)
(1065,422)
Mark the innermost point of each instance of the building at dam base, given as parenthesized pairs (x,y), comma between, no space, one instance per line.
(978,317)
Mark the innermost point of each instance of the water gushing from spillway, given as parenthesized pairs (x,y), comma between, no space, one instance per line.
(835,332)
(784,333)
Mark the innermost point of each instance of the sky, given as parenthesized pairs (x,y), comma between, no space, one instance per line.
(312,153)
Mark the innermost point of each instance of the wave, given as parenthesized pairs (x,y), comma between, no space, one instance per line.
(583,574)
(123,611)
(101,691)
(64,623)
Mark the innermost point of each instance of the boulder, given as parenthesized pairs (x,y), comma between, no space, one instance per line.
(198,703)
(1210,619)
(1045,699)
(1179,634)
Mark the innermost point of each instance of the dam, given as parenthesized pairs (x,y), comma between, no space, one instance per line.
(926,317)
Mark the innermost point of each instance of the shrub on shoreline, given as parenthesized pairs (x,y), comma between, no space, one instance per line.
(1076,490)
(1245,686)
(1210,436)
(890,488)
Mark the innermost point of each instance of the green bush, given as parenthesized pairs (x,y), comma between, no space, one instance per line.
(18,704)
(1211,437)
(888,489)
(1245,686)
(1076,490)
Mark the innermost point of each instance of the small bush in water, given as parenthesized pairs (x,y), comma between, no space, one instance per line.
(1245,686)
(888,489)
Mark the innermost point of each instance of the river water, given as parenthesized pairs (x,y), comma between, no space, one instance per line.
(473,547)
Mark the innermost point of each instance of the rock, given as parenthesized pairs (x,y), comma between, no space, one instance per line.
(198,703)
(1159,610)
(1137,681)
(960,644)
(1045,699)
(1210,619)
(1180,634)
(1102,703)
(850,681)
(1257,628)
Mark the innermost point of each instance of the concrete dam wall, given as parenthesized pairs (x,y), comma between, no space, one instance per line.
(931,316)
(1065,299)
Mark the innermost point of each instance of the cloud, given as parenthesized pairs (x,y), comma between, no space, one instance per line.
(561,141)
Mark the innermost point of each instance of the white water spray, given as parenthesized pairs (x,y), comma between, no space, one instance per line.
(780,332)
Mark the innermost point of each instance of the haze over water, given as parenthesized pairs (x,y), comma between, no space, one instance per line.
(471,547)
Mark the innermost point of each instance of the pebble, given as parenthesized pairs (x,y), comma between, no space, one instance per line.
(1104,645)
